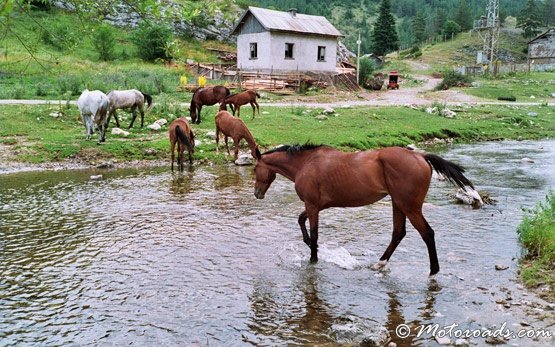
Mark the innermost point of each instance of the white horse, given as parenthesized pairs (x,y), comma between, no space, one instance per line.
(133,99)
(93,107)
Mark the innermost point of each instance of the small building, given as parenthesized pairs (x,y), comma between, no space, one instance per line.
(541,52)
(269,40)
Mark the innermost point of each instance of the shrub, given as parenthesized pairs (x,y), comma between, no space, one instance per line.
(367,68)
(104,42)
(41,89)
(152,41)
(70,84)
(60,37)
(453,78)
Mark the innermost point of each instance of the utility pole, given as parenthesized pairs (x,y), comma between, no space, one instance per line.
(358,58)
(490,25)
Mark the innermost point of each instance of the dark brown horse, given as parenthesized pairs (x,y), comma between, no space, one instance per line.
(325,177)
(243,98)
(182,134)
(235,128)
(206,96)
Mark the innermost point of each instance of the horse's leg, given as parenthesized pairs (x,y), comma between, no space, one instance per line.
(199,110)
(253,109)
(312,213)
(226,146)
(180,156)
(302,223)
(217,139)
(113,112)
(427,233)
(236,148)
(238,111)
(142,115)
(134,112)
(399,232)
(257,107)
(172,149)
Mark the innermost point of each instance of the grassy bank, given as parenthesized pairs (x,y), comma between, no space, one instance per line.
(537,234)
(525,87)
(32,134)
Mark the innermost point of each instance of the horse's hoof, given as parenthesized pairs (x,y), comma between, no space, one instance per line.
(379,265)
(313,260)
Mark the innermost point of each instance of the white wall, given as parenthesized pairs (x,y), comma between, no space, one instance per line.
(271,52)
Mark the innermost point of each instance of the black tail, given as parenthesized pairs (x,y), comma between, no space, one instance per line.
(182,137)
(452,171)
(257,95)
(148,99)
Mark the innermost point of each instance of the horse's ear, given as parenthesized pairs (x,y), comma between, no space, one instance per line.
(258,154)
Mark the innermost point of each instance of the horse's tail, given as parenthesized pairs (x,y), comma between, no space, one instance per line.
(227,92)
(148,99)
(183,137)
(452,171)
(257,95)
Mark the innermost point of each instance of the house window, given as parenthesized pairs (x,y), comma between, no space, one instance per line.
(321,53)
(254,50)
(288,51)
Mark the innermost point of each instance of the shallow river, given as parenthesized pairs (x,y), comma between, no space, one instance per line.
(147,257)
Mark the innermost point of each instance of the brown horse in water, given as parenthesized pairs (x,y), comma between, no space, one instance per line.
(243,98)
(206,96)
(325,177)
(182,134)
(235,128)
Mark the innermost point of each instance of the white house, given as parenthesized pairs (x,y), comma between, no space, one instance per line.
(269,40)
(541,51)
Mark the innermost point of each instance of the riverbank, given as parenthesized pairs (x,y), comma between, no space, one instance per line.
(52,136)
(537,234)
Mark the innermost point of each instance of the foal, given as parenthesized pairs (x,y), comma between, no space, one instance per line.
(243,98)
(234,128)
(182,134)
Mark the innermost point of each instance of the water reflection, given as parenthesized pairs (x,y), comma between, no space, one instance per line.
(182,181)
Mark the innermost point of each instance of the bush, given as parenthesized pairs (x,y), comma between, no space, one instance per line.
(367,68)
(104,42)
(152,41)
(453,78)
(70,84)
(450,28)
(60,37)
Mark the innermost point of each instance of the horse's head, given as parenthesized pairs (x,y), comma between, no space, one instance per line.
(193,114)
(192,139)
(264,177)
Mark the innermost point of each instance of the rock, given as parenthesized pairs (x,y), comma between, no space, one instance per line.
(161,121)
(447,113)
(500,267)
(346,106)
(244,159)
(376,339)
(462,343)
(328,110)
(475,84)
(494,340)
(353,331)
(321,117)
(198,143)
(553,95)
(154,126)
(105,165)
(533,114)
(431,110)
(443,340)
(118,131)
(149,151)
(527,160)
(469,196)
(532,97)
(188,119)
(392,344)
(55,114)
(265,112)
(412,147)
(211,135)
(96,178)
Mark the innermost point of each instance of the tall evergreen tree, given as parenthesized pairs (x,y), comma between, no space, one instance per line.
(419,27)
(549,12)
(530,19)
(440,19)
(384,35)
(463,16)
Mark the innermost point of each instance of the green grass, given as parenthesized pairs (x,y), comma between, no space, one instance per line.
(537,234)
(520,85)
(38,137)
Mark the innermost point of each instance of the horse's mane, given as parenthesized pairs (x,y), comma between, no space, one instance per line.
(295,148)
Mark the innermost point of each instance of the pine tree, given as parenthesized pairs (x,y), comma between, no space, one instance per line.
(463,17)
(549,12)
(440,19)
(419,27)
(384,35)
(530,20)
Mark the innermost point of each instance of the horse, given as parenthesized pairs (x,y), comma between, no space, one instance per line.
(93,107)
(234,128)
(181,133)
(206,96)
(325,177)
(243,98)
(133,99)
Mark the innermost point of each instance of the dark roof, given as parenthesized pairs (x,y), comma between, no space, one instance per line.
(273,20)
(543,36)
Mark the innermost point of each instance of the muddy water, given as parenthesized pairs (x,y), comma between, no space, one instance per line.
(147,257)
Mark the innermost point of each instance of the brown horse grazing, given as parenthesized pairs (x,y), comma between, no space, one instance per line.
(206,96)
(233,127)
(325,177)
(181,133)
(243,98)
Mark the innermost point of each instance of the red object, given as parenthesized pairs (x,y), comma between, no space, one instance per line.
(393,80)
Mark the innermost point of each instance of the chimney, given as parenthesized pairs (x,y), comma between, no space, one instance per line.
(292,12)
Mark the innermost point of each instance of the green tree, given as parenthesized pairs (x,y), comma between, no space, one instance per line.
(104,42)
(419,27)
(463,16)
(450,28)
(440,19)
(549,12)
(384,35)
(152,41)
(530,19)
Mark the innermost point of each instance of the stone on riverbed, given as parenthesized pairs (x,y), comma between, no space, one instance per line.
(96,178)
(353,331)
(154,126)
(469,196)
(244,159)
(118,131)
